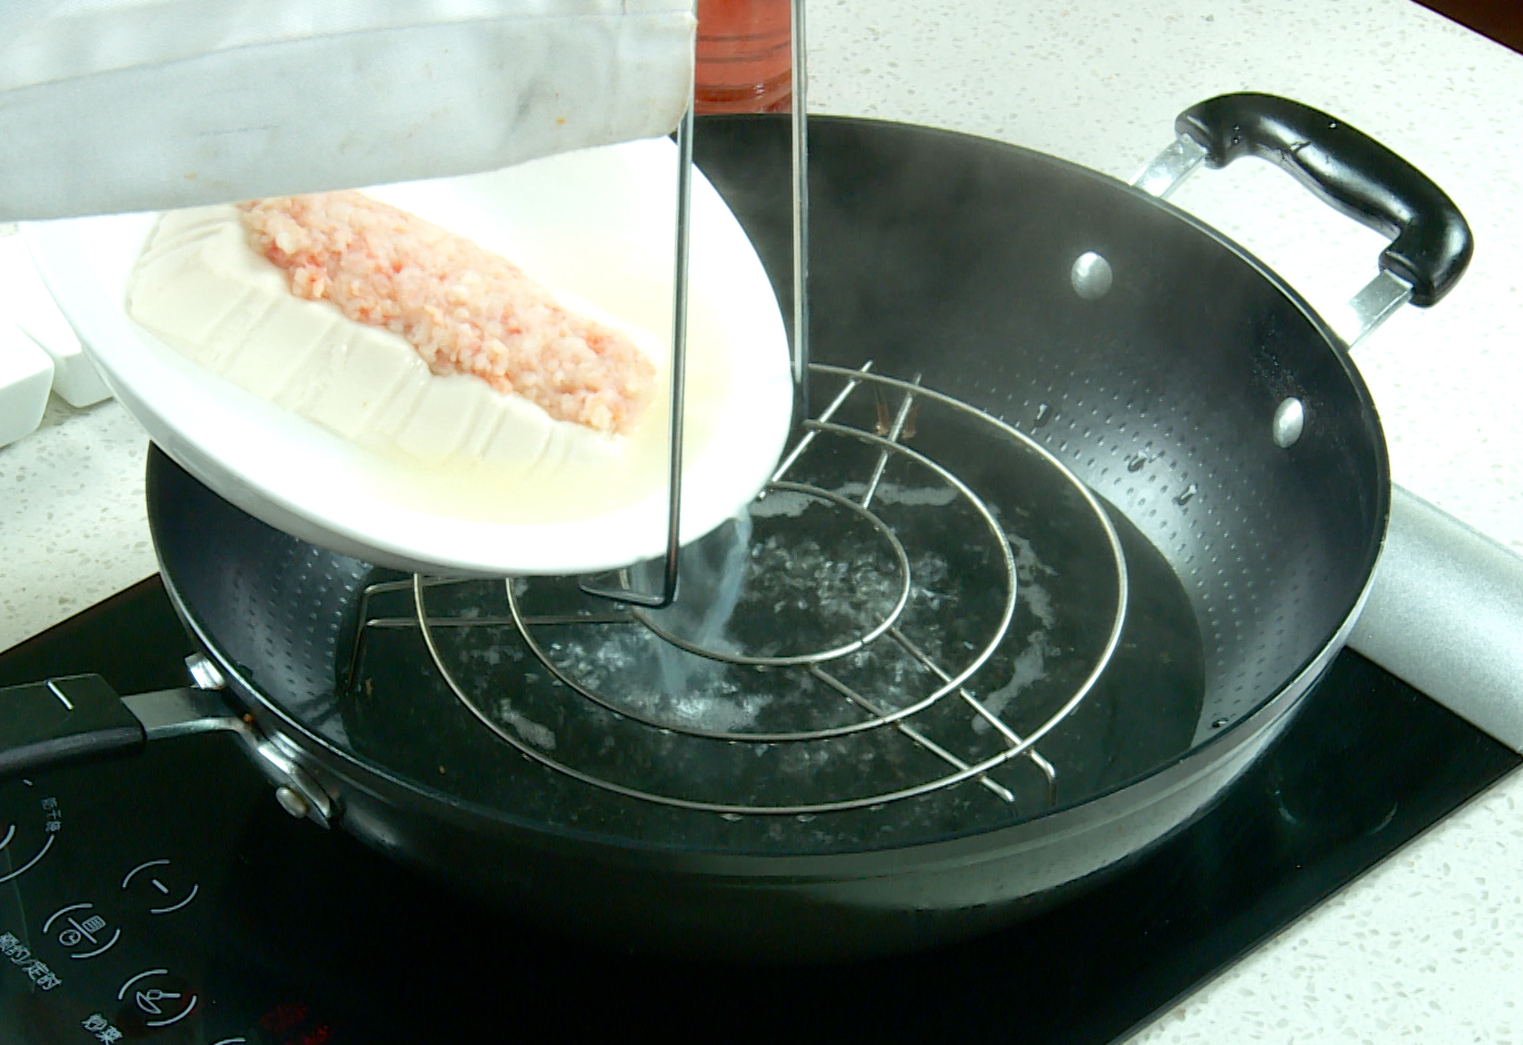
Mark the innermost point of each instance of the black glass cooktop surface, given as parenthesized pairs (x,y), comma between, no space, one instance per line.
(167,898)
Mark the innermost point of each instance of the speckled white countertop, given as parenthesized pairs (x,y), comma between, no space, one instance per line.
(1429,946)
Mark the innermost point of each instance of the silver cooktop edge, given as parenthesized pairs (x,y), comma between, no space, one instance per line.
(1445,614)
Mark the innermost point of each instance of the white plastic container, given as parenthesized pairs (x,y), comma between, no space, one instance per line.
(26,375)
(25,301)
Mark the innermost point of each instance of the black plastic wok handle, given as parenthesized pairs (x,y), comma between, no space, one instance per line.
(73,719)
(1350,170)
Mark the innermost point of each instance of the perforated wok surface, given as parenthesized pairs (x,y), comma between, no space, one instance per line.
(940,253)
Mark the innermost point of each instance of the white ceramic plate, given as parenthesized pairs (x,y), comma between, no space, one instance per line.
(598,224)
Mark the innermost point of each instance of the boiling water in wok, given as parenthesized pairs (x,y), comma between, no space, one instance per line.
(800,574)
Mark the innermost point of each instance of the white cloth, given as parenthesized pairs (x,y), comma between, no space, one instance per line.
(120,105)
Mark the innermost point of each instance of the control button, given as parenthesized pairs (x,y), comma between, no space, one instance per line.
(159,997)
(159,887)
(20,845)
(47,843)
(78,928)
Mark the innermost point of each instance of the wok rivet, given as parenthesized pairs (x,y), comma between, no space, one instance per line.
(1091,276)
(1219,723)
(1041,415)
(204,673)
(1187,495)
(292,802)
(1289,422)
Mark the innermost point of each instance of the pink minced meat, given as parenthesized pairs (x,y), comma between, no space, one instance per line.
(465,309)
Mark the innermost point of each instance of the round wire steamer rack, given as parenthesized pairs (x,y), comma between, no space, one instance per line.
(900,719)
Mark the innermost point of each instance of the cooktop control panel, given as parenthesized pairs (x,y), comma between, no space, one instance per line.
(120,917)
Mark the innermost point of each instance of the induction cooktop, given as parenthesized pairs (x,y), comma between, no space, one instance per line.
(167,898)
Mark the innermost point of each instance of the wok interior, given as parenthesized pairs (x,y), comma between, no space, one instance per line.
(953,256)
(947,257)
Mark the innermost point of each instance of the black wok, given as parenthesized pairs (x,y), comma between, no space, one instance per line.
(952,259)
